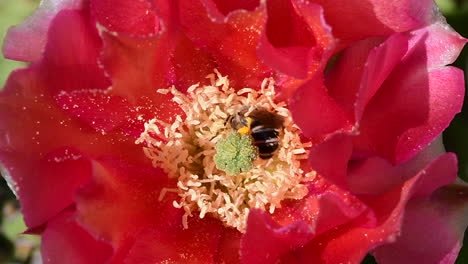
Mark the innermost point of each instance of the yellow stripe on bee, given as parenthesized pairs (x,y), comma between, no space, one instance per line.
(246,129)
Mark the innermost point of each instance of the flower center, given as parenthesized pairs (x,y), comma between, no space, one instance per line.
(226,157)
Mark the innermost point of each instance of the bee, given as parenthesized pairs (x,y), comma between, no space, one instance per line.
(262,125)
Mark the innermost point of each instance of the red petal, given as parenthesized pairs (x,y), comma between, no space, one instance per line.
(296,41)
(350,242)
(315,112)
(135,189)
(68,64)
(56,177)
(433,228)
(330,159)
(409,111)
(32,126)
(229,246)
(265,241)
(26,41)
(231,41)
(131,17)
(196,245)
(64,241)
(358,19)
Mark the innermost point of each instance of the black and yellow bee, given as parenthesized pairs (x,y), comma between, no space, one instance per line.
(264,127)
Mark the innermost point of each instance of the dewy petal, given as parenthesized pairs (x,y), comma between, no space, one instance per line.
(173,244)
(358,19)
(64,241)
(230,41)
(432,230)
(26,41)
(135,189)
(296,40)
(34,130)
(123,16)
(265,241)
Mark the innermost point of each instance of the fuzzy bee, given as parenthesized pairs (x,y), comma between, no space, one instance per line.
(263,126)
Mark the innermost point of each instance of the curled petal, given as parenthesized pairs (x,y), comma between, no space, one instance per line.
(63,239)
(356,19)
(296,40)
(26,41)
(316,112)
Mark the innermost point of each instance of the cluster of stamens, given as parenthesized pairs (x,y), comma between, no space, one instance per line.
(186,149)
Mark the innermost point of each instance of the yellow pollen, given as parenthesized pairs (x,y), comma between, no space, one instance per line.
(185,149)
(245,130)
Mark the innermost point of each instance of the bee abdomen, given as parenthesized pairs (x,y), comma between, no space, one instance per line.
(266,140)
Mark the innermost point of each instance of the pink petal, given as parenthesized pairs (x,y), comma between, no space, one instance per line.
(432,229)
(361,69)
(358,19)
(131,17)
(350,242)
(376,175)
(410,110)
(400,122)
(315,112)
(197,244)
(26,41)
(330,159)
(64,240)
(265,241)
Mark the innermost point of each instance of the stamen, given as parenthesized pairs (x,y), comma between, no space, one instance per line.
(187,150)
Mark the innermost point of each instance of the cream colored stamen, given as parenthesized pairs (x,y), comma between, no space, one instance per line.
(185,149)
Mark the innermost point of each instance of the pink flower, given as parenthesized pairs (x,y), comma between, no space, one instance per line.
(365,81)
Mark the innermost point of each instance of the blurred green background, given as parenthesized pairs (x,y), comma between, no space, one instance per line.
(16,248)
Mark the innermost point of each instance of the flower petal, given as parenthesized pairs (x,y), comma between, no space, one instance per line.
(296,40)
(197,244)
(265,241)
(315,112)
(375,175)
(410,110)
(231,41)
(361,69)
(26,41)
(136,190)
(131,17)
(350,242)
(64,240)
(358,19)
(432,229)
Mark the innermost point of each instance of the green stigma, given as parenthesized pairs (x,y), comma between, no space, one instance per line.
(235,153)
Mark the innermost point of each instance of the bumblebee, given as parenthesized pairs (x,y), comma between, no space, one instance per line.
(263,126)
